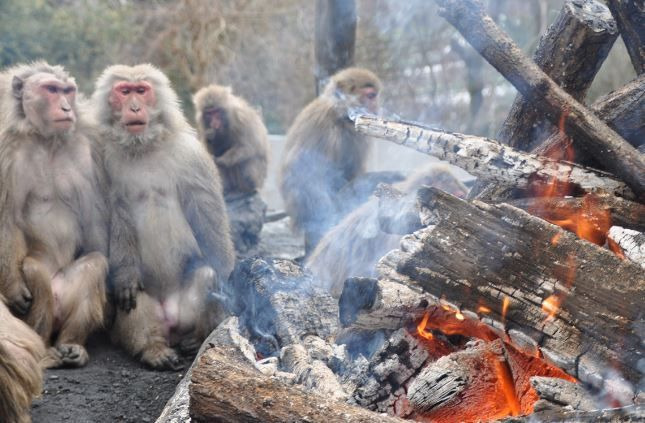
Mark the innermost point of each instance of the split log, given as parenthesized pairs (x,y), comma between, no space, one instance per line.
(571,53)
(623,212)
(629,414)
(474,253)
(226,388)
(630,16)
(488,159)
(622,110)
(622,159)
(631,242)
(562,393)
(279,302)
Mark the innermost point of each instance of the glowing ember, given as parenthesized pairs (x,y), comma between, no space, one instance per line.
(556,238)
(459,316)
(508,387)
(483,310)
(615,248)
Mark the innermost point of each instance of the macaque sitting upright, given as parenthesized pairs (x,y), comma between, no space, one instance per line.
(235,136)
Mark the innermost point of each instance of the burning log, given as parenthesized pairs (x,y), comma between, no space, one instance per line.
(470,19)
(561,393)
(631,242)
(623,212)
(634,413)
(575,299)
(630,16)
(622,110)
(225,387)
(488,159)
(571,53)
(278,302)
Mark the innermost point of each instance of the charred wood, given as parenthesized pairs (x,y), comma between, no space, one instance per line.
(279,302)
(630,16)
(563,393)
(623,212)
(631,242)
(488,159)
(622,110)
(499,50)
(227,388)
(474,253)
(629,414)
(571,53)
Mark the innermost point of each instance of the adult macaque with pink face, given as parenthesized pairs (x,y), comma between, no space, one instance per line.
(170,244)
(53,218)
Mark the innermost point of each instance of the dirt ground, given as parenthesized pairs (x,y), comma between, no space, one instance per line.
(113,387)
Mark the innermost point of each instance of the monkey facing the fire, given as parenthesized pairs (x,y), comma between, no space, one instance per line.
(323,151)
(53,219)
(170,245)
(235,136)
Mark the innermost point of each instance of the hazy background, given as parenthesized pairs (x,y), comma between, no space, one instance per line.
(265,51)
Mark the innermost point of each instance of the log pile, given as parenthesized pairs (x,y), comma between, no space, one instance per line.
(487,310)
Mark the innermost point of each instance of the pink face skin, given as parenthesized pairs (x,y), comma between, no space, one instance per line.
(49,103)
(368,97)
(213,118)
(130,101)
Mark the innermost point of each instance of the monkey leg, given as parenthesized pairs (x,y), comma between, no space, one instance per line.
(193,310)
(38,277)
(142,332)
(80,293)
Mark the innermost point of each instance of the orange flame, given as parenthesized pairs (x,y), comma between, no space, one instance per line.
(421,328)
(550,306)
(505,305)
(483,309)
(508,387)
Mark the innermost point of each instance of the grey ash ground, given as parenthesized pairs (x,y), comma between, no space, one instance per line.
(113,387)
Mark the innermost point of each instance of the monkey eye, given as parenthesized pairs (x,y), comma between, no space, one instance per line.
(125,91)
(141,90)
(371,96)
(52,89)
(69,90)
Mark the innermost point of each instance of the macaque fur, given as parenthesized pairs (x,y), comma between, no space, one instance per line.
(355,245)
(235,136)
(323,151)
(21,375)
(53,219)
(170,245)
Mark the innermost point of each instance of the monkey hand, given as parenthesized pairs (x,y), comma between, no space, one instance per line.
(19,298)
(126,287)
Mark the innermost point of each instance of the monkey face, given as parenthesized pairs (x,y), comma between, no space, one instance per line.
(48,102)
(368,97)
(213,118)
(130,103)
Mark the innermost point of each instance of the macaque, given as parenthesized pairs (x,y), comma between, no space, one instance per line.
(235,136)
(323,152)
(21,375)
(53,218)
(355,245)
(170,245)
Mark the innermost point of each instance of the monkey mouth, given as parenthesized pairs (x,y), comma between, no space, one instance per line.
(136,125)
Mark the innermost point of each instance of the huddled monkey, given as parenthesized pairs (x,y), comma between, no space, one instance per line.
(235,136)
(323,151)
(170,245)
(53,218)
(22,354)
(355,245)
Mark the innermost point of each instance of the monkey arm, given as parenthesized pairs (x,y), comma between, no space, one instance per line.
(203,205)
(124,261)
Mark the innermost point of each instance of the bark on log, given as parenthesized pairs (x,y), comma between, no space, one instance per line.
(335,38)
(474,253)
(225,388)
(623,212)
(571,53)
(630,17)
(622,110)
(629,414)
(486,158)
(499,50)
(563,393)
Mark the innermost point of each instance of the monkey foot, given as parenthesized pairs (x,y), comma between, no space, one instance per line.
(66,355)
(189,345)
(161,357)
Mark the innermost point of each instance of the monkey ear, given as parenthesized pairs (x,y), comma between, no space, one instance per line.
(17,86)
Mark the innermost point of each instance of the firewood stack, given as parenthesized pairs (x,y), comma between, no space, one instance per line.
(523,302)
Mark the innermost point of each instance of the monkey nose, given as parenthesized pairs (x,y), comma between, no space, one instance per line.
(135,108)
(66,108)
